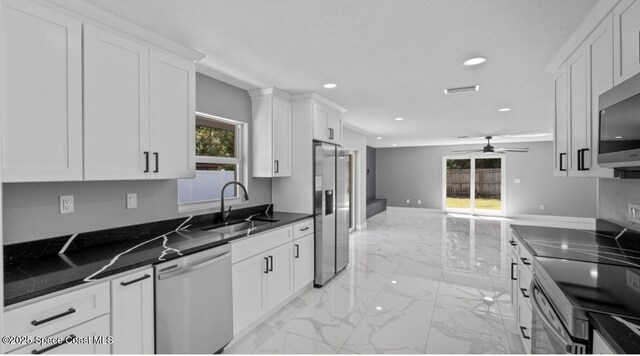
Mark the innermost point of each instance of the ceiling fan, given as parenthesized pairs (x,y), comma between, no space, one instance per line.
(488,149)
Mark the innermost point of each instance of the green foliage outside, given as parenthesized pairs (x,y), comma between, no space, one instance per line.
(480,163)
(462,203)
(215,142)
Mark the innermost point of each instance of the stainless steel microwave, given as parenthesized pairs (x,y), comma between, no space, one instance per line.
(619,142)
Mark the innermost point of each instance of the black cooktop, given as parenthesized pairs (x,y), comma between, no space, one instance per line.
(594,287)
(598,246)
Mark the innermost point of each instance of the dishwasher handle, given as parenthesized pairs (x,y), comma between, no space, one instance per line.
(194,267)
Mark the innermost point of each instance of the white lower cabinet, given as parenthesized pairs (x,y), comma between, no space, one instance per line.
(132,309)
(521,276)
(262,275)
(600,347)
(90,337)
(302,261)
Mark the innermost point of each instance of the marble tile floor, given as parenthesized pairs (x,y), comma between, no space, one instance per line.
(416,283)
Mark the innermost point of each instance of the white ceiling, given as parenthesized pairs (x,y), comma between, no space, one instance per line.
(389,58)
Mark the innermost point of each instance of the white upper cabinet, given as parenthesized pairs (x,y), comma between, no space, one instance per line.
(116,109)
(579,139)
(561,124)
(626,24)
(172,119)
(139,110)
(327,123)
(271,133)
(41,123)
(600,79)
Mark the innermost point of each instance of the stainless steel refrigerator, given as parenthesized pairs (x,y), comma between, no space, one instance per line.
(331,210)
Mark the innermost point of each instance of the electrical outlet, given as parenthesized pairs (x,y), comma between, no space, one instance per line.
(408,201)
(517,180)
(132,201)
(633,214)
(541,207)
(66,204)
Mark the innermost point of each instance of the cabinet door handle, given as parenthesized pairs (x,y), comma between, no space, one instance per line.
(135,280)
(39,322)
(277,166)
(512,243)
(330,133)
(157,162)
(525,261)
(562,163)
(512,275)
(525,293)
(49,348)
(579,160)
(297,255)
(304,229)
(146,160)
(266,265)
(271,260)
(522,330)
(582,156)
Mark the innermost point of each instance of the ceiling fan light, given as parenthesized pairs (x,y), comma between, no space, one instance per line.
(474,61)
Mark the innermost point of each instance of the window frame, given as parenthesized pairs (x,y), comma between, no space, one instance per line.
(241,161)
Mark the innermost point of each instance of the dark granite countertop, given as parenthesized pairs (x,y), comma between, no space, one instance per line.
(36,268)
(621,334)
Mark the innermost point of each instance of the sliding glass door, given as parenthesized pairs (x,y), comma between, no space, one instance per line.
(474,185)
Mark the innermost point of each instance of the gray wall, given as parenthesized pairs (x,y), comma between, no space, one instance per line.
(31,210)
(371,173)
(416,173)
(614,195)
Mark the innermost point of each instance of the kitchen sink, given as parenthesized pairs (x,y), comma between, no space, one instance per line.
(240,226)
(264,218)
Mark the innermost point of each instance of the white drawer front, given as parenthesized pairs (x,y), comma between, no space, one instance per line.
(58,313)
(252,246)
(88,340)
(302,229)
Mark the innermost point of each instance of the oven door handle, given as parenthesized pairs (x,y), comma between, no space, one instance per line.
(548,326)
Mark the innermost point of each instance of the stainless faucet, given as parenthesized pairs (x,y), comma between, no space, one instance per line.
(222,212)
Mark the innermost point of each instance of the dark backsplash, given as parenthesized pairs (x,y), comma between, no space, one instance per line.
(51,246)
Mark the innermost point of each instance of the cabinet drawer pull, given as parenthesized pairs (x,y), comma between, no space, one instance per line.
(157,162)
(49,348)
(525,293)
(277,166)
(522,330)
(266,265)
(525,261)
(512,275)
(304,229)
(135,280)
(39,322)
(297,255)
(271,260)
(512,243)
(146,162)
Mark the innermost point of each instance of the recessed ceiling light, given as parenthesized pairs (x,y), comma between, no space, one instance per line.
(504,109)
(399,119)
(474,61)
(330,85)
(379,138)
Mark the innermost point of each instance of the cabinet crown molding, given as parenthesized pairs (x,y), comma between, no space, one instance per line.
(593,19)
(89,13)
(319,98)
(257,93)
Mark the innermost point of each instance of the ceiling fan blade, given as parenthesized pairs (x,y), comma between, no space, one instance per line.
(466,151)
(512,149)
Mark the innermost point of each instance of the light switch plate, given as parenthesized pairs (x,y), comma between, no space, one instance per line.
(633,213)
(66,204)
(132,201)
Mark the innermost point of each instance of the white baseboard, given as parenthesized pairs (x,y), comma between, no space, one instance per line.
(413,210)
(552,218)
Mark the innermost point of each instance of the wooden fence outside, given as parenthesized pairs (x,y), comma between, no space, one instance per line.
(488,183)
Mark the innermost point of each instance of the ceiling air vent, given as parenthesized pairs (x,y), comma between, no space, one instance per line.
(462,89)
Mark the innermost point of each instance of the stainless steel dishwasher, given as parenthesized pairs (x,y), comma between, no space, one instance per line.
(193,303)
